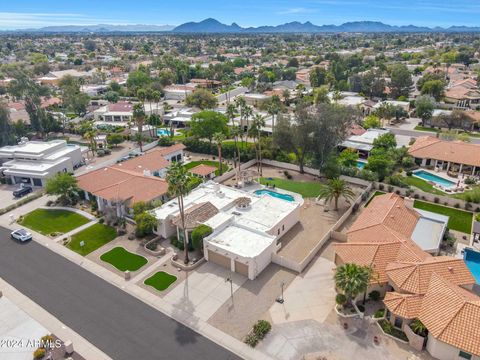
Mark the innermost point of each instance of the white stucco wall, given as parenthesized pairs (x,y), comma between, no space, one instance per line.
(443,351)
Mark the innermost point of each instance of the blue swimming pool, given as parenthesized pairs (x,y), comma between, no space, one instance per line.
(163,132)
(472,259)
(275,194)
(361,164)
(428,176)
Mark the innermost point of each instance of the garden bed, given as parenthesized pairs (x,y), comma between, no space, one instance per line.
(390,330)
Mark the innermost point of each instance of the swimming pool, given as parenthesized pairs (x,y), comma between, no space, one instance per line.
(361,164)
(163,132)
(428,176)
(472,259)
(275,194)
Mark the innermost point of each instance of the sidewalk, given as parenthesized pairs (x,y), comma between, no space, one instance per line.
(180,315)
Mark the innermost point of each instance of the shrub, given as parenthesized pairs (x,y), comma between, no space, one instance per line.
(152,245)
(456,206)
(100,153)
(416,196)
(381,187)
(165,141)
(390,188)
(361,308)
(341,299)
(39,353)
(107,151)
(409,173)
(198,234)
(470,181)
(477,217)
(251,340)
(101,220)
(379,313)
(261,328)
(436,200)
(374,295)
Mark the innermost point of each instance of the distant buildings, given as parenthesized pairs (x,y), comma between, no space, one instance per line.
(121,113)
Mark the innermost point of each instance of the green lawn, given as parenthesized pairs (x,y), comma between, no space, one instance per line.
(308,189)
(48,221)
(94,237)
(426,128)
(192,164)
(376,193)
(160,280)
(422,185)
(123,260)
(460,220)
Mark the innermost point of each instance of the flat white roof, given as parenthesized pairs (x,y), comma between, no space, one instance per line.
(428,232)
(31,147)
(240,241)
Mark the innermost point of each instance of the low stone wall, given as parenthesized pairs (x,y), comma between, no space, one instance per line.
(339,236)
(415,341)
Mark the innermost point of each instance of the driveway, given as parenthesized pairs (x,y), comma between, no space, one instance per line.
(6,195)
(204,290)
(115,322)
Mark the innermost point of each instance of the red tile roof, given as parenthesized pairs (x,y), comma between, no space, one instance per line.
(203,170)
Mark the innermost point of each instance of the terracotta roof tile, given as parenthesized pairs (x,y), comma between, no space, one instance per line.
(407,306)
(203,170)
(428,147)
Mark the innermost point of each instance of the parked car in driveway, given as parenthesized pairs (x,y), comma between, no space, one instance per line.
(21,235)
(22,191)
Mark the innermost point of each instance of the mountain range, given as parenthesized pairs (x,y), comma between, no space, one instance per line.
(211,26)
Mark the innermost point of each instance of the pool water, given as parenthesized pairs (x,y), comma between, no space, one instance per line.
(472,259)
(163,132)
(361,164)
(428,176)
(275,194)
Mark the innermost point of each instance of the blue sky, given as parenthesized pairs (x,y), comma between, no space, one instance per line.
(38,13)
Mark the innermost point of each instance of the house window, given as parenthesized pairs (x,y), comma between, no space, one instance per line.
(283,227)
(398,322)
(278,232)
(464,355)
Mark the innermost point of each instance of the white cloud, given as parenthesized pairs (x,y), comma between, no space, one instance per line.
(298,10)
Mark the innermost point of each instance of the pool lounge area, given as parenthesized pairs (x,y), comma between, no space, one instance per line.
(472,259)
(438,181)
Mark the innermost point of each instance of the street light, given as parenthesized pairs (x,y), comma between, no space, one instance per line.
(229,279)
(280,299)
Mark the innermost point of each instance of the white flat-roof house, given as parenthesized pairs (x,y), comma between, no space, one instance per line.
(246,227)
(121,113)
(33,162)
(363,144)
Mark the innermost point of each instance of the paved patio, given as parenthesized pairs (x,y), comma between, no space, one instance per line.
(204,290)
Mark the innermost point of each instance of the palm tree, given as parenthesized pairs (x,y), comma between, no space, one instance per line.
(255,130)
(90,135)
(231,113)
(352,279)
(335,189)
(178,179)
(274,109)
(139,118)
(219,138)
(236,132)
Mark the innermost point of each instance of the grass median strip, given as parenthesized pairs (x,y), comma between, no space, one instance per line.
(124,260)
(92,238)
(48,221)
(459,220)
(160,280)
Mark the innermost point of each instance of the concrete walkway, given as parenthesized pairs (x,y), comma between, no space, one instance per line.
(184,315)
(76,230)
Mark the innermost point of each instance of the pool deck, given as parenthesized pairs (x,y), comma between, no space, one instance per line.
(458,185)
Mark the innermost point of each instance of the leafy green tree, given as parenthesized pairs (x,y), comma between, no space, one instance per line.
(145,223)
(73,99)
(335,189)
(6,133)
(65,186)
(371,122)
(200,233)
(112,96)
(320,95)
(352,279)
(115,139)
(434,88)
(348,158)
(318,77)
(386,141)
(380,163)
(138,79)
(424,106)
(401,81)
(206,123)
(178,179)
(202,98)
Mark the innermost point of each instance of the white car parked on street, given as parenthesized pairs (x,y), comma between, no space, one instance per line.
(21,235)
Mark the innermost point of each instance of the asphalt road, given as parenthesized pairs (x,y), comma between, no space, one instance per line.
(120,325)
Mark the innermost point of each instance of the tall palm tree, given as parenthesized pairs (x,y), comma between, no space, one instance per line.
(255,130)
(90,135)
(352,279)
(231,113)
(274,109)
(178,179)
(335,189)
(139,119)
(237,132)
(219,138)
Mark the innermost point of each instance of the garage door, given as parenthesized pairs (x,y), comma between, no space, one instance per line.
(241,268)
(219,259)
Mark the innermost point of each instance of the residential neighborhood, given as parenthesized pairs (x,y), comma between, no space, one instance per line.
(286,191)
